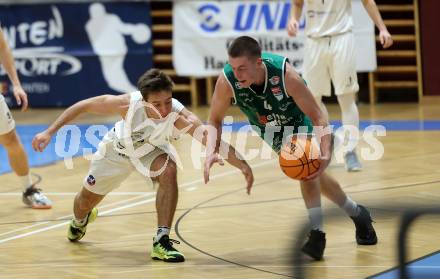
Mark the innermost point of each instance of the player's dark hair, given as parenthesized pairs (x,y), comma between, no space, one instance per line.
(154,80)
(244,46)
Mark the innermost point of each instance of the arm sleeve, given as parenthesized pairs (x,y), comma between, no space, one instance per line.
(177,106)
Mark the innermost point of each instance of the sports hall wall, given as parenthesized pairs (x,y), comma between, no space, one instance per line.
(430,23)
(63,53)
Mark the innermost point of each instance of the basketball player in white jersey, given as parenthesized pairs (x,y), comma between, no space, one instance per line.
(329,56)
(32,196)
(151,118)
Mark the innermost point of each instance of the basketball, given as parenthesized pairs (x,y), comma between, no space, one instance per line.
(141,33)
(299,157)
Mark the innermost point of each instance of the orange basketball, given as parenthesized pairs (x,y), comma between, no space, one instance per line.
(299,157)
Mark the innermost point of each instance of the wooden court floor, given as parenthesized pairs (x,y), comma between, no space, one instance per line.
(225,233)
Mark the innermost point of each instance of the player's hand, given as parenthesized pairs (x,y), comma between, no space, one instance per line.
(326,147)
(40,141)
(385,39)
(292,27)
(21,97)
(249,176)
(211,160)
(324,161)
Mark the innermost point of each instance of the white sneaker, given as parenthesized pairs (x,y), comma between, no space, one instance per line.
(352,163)
(33,197)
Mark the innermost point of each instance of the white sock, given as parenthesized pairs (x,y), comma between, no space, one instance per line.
(315,216)
(350,117)
(351,207)
(161,231)
(79,222)
(26,181)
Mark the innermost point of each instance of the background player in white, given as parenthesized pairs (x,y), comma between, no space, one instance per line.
(329,55)
(106,34)
(146,127)
(32,196)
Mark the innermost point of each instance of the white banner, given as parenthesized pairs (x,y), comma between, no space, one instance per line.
(202,31)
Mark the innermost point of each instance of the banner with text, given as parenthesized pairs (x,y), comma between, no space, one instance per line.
(202,31)
(68,52)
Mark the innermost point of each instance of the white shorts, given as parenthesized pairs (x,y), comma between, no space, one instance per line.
(108,168)
(329,59)
(7,123)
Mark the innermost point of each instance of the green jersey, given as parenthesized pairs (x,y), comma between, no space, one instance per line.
(272,109)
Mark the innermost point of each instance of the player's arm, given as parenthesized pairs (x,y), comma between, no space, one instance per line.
(306,102)
(221,101)
(8,62)
(193,126)
(385,37)
(104,105)
(189,115)
(295,16)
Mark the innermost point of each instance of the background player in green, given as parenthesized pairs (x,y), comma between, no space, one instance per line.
(270,93)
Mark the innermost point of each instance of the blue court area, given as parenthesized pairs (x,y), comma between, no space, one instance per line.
(427,267)
(72,141)
(76,140)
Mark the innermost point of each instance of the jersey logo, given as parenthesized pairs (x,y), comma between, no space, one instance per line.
(262,119)
(277,92)
(91,180)
(284,107)
(237,85)
(274,80)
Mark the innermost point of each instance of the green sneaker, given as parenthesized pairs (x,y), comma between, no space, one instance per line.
(75,233)
(163,250)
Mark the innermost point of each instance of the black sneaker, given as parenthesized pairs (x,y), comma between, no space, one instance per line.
(315,245)
(163,250)
(365,233)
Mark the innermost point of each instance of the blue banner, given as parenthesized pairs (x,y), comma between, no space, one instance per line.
(68,52)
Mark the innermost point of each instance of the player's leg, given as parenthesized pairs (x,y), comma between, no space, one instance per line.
(315,245)
(107,171)
(365,233)
(315,70)
(84,213)
(18,160)
(166,201)
(344,76)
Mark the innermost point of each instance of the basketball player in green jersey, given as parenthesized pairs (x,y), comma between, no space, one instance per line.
(271,94)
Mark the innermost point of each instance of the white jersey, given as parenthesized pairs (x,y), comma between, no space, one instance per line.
(137,134)
(328,17)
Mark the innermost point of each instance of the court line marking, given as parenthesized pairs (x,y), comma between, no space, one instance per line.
(184,185)
(70,215)
(74,193)
(258,266)
(195,265)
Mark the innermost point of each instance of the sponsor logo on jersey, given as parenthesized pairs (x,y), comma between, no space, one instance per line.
(284,106)
(277,92)
(262,119)
(274,80)
(237,85)
(91,180)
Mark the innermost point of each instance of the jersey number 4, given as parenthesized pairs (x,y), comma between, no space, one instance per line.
(267,106)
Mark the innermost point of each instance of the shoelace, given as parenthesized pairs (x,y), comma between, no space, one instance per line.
(32,190)
(169,244)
